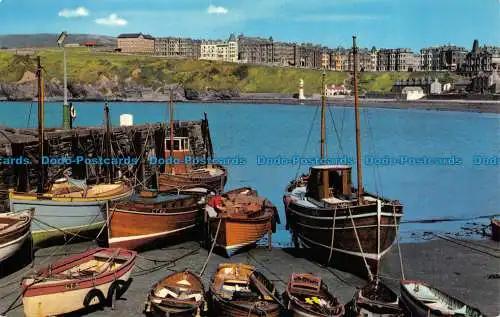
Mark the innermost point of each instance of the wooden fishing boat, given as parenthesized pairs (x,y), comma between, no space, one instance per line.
(244,219)
(495,229)
(180,294)
(78,282)
(68,209)
(185,171)
(377,300)
(14,231)
(340,223)
(143,221)
(239,290)
(66,205)
(212,177)
(424,300)
(307,296)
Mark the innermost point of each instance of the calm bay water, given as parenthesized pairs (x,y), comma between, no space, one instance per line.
(461,190)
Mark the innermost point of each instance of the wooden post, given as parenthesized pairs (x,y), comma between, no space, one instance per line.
(41,138)
(270,239)
(358,136)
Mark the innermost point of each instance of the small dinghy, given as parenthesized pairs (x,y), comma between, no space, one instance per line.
(424,300)
(78,282)
(237,290)
(244,219)
(307,296)
(180,294)
(14,231)
(495,229)
(376,299)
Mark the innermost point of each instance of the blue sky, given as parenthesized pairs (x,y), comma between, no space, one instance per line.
(383,23)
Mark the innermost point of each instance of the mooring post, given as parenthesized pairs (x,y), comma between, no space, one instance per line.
(270,239)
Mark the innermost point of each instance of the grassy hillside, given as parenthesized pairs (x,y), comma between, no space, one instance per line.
(49,40)
(88,67)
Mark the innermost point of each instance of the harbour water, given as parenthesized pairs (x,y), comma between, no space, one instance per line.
(441,165)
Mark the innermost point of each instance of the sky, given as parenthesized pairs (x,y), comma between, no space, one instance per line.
(381,23)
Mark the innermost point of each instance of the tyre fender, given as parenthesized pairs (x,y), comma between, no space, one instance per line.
(94,293)
(117,289)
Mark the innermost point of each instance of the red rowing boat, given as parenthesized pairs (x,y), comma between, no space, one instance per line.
(77,282)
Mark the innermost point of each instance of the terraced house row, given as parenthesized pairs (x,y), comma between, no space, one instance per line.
(267,51)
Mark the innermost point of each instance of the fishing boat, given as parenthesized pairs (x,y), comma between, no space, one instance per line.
(307,296)
(238,290)
(185,171)
(14,232)
(66,209)
(150,218)
(495,229)
(180,294)
(341,224)
(65,206)
(424,300)
(240,218)
(81,281)
(377,300)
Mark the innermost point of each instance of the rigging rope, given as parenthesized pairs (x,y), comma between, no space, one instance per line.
(465,245)
(333,235)
(359,245)
(212,248)
(397,241)
(307,140)
(339,137)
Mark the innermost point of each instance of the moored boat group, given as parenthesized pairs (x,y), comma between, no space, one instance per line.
(338,223)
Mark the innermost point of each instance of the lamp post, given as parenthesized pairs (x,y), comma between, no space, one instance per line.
(66,106)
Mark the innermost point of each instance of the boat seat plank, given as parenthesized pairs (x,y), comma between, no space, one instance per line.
(108,256)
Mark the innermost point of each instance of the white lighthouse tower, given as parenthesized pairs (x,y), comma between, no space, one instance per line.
(301,90)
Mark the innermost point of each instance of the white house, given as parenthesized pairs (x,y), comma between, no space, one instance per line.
(436,87)
(413,93)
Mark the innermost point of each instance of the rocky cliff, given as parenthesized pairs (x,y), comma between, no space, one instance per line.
(107,89)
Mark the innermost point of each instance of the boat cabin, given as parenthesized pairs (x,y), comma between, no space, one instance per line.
(181,150)
(329,182)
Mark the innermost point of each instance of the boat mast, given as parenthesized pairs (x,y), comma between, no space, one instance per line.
(41,111)
(171,117)
(107,140)
(323,116)
(356,111)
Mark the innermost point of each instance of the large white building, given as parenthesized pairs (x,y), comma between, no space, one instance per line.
(220,50)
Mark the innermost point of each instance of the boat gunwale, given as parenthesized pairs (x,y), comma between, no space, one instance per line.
(40,288)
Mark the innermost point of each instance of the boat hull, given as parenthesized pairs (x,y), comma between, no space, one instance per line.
(63,303)
(237,234)
(159,311)
(158,222)
(10,248)
(168,182)
(61,296)
(443,304)
(224,308)
(296,311)
(56,218)
(375,224)
(15,231)
(495,229)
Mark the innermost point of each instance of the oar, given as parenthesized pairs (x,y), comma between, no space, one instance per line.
(263,289)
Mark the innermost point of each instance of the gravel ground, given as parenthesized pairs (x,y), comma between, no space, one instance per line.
(460,271)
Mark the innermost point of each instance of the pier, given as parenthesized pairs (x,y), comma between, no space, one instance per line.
(136,141)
